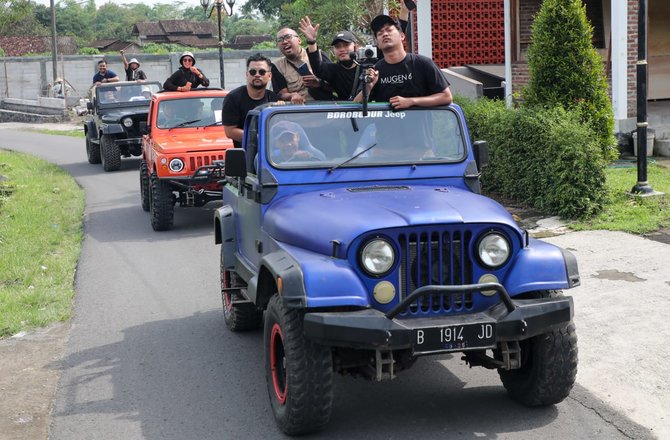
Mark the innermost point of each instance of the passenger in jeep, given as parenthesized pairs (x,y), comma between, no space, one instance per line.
(291,143)
(399,145)
(187,77)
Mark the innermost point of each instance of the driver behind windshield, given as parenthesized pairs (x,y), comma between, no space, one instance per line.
(290,142)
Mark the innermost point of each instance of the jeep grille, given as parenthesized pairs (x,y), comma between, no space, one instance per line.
(134,130)
(196,162)
(438,258)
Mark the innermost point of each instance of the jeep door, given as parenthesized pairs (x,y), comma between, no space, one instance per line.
(248,209)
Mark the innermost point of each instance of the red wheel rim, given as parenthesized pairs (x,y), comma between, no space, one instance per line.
(277,364)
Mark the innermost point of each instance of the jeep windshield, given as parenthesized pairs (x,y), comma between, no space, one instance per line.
(335,139)
(199,111)
(126,94)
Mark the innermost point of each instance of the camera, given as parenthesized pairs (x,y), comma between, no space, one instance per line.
(366,52)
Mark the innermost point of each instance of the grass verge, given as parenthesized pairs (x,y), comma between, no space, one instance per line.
(41,209)
(636,214)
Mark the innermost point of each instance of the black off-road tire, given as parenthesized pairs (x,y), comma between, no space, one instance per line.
(145,186)
(548,365)
(238,317)
(162,204)
(110,153)
(298,372)
(92,150)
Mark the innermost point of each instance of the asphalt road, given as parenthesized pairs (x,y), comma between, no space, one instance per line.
(149,357)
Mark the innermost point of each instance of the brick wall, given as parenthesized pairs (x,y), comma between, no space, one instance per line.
(468,32)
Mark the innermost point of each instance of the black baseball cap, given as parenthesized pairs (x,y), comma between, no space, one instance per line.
(345,36)
(379,21)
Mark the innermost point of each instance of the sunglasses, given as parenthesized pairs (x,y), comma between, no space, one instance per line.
(189,60)
(261,72)
(286,37)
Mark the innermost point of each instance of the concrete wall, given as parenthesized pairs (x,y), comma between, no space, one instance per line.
(27,77)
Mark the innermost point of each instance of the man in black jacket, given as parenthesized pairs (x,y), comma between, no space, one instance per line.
(342,75)
(187,77)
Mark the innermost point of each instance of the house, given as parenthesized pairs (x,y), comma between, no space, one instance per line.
(197,34)
(16,46)
(472,32)
(244,42)
(115,46)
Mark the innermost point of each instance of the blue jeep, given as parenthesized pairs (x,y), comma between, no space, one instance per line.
(363,237)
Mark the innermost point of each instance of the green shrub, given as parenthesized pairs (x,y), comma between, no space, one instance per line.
(88,51)
(545,158)
(2,52)
(566,70)
(162,49)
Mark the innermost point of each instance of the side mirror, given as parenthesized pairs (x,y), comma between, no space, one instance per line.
(144,127)
(236,163)
(89,106)
(481,151)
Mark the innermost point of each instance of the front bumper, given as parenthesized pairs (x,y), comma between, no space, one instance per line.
(129,141)
(513,320)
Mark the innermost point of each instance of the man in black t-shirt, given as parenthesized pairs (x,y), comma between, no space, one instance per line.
(341,75)
(402,79)
(239,101)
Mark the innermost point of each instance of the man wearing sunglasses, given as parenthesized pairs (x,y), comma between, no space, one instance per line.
(187,77)
(239,101)
(292,76)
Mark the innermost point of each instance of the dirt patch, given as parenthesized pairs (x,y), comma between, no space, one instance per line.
(29,365)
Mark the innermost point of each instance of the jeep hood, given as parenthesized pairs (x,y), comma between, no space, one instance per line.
(113,116)
(191,140)
(312,220)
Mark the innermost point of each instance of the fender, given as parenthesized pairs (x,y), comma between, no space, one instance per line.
(542,266)
(111,129)
(330,281)
(90,129)
(224,234)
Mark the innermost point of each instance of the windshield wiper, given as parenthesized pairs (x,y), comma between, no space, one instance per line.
(353,157)
(186,123)
(214,123)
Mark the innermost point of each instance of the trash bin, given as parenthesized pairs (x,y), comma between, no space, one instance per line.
(650,142)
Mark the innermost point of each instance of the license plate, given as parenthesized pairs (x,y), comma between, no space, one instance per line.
(454,337)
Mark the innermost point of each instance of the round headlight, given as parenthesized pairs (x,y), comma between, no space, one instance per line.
(377,257)
(176,165)
(493,250)
(127,122)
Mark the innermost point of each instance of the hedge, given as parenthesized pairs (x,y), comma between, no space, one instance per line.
(545,158)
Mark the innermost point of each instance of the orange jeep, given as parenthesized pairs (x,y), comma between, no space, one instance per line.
(182,153)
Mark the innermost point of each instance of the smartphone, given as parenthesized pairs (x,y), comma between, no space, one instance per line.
(410,4)
(303,70)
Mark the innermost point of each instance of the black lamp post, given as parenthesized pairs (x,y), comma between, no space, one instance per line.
(642,186)
(218,4)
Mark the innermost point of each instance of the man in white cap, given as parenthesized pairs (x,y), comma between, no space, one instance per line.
(341,75)
(132,68)
(187,77)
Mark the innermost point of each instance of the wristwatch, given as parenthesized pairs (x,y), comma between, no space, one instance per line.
(311,41)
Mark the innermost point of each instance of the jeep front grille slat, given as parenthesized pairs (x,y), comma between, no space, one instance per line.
(196,162)
(435,258)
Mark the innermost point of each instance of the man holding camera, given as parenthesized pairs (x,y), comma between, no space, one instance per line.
(402,79)
(342,75)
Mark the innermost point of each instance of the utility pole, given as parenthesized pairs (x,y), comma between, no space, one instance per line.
(54,58)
